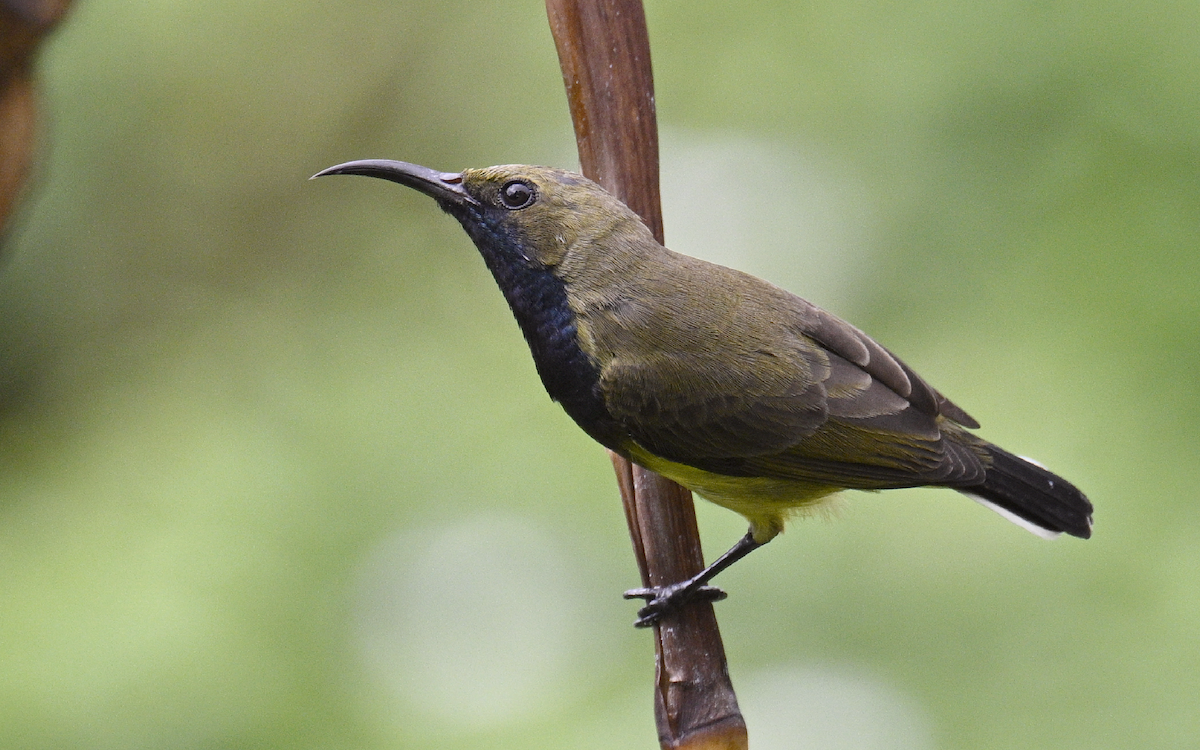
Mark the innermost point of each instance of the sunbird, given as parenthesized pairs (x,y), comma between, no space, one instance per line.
(736,389)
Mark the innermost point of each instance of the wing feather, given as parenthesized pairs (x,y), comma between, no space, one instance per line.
(767,384)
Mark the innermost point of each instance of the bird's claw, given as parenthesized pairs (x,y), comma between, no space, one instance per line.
(663,599)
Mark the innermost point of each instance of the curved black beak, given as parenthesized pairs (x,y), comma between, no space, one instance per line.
(444,187)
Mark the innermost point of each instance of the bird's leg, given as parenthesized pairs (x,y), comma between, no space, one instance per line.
(663,599)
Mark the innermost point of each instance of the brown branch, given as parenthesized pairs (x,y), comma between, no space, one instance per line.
(23,26)
(604,51)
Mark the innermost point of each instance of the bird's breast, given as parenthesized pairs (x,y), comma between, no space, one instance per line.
(539,302)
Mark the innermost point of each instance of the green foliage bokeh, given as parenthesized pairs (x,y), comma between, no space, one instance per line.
(276,469)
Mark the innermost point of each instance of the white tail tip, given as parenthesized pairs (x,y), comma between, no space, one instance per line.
(1024,523)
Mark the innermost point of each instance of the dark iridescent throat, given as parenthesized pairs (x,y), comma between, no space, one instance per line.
(538,300)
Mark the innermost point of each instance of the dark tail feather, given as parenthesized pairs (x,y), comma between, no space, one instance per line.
(1023,491)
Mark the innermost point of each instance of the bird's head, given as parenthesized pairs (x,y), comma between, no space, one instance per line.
(523,214)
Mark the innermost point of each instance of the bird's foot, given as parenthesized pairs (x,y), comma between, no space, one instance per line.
(663,599)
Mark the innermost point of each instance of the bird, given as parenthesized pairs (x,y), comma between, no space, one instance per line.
(737,389)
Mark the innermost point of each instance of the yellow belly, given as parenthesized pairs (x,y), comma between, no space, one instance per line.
(765,502)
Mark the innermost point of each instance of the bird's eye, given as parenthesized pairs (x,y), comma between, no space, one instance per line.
(517,194)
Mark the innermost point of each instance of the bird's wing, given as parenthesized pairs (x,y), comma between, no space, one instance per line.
(873,439)
(848,342)
(825,403)
(692,406)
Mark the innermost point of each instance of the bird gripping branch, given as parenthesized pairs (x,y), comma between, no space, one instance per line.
(742,392)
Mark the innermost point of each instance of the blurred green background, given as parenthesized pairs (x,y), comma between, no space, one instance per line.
(276,469)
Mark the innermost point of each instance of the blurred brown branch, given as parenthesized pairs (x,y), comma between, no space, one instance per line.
(604,51)
(23,26)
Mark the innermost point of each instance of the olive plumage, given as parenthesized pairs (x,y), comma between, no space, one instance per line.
(745,393)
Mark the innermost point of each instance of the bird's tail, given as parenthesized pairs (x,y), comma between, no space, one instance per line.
(1032,497)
